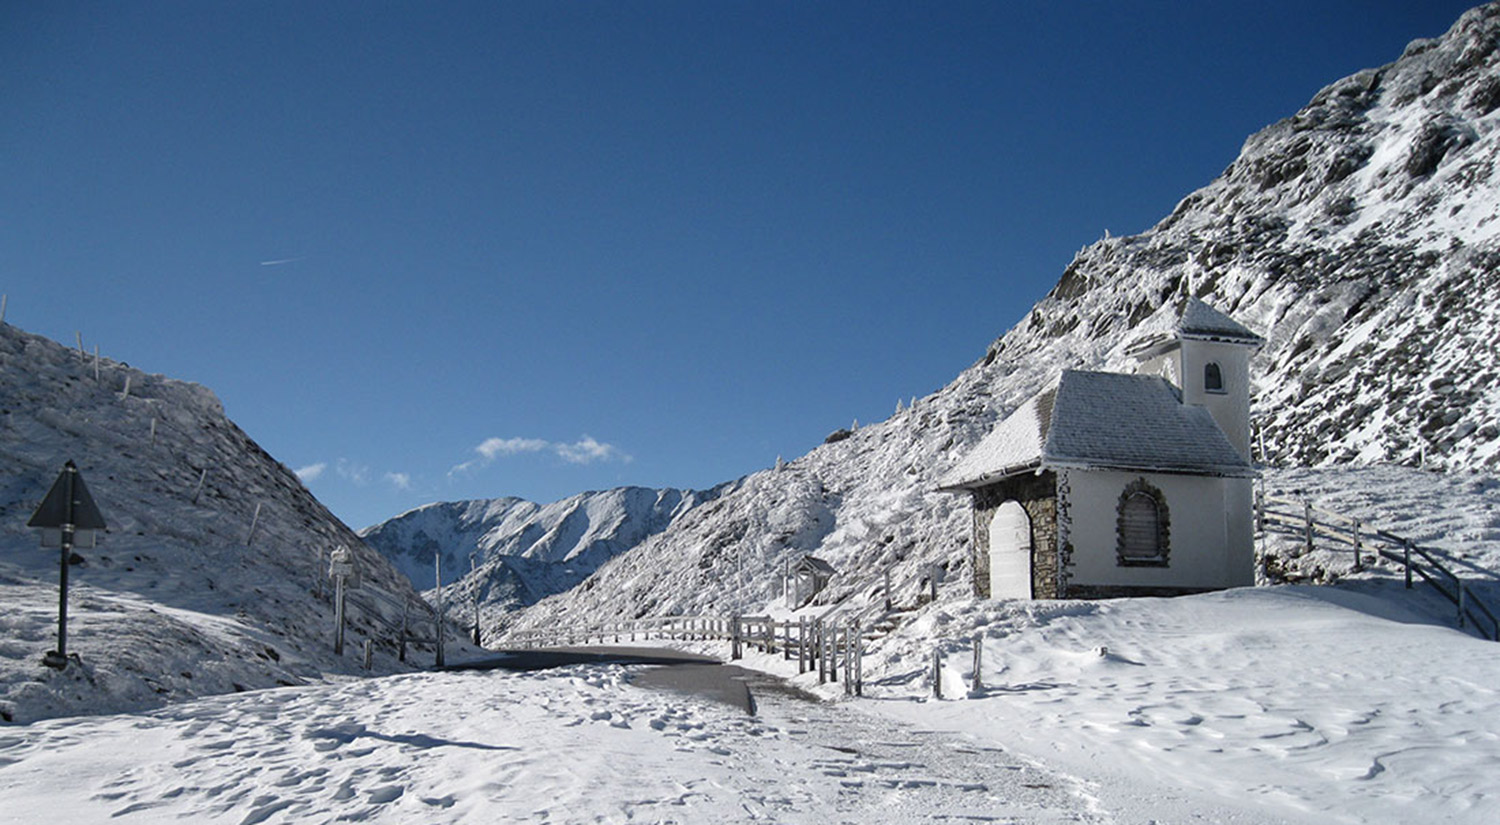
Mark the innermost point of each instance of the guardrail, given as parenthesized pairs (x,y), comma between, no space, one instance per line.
(1300,517)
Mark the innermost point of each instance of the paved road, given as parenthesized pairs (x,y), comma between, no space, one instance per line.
(672,670)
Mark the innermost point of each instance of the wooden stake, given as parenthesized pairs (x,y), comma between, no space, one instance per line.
(254,520)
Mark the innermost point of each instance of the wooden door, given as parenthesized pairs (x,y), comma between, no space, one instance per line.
(1010,552)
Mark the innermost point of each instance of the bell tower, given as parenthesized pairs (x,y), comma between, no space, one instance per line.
(1207,354)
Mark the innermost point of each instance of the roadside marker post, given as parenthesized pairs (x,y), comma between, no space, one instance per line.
(69,517)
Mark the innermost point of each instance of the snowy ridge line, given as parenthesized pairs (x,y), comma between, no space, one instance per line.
(1307,525)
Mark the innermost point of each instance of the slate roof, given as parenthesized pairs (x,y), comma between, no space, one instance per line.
(1199,320)
(1102,420)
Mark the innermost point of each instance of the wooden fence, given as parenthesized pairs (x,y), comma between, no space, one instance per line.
(1299,517)
(827,646)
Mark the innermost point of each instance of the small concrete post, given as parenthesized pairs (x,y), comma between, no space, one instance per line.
(734,639)
(976,683)
(1406,560)
(937,673)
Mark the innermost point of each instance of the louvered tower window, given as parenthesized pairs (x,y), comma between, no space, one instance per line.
(1143,526)
(1213,378)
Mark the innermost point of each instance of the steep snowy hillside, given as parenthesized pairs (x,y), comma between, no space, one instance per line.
(1359,236)
(523,551)
(181,597)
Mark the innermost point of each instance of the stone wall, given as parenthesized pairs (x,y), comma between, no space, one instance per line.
(1037,493)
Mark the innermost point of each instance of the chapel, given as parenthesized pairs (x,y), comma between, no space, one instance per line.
(1123,484)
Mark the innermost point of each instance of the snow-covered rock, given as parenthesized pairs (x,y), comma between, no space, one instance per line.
(1359,236)
(178,599)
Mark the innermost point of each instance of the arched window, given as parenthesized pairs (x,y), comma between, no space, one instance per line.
(1142,527)
(1213,378)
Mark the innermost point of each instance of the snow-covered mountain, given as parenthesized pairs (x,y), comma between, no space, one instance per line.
(1359,236)
(521,551)
(212,576)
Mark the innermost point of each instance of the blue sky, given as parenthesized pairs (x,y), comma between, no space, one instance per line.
(464,250)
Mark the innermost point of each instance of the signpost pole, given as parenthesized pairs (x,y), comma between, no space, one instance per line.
(69,510)
(66,553)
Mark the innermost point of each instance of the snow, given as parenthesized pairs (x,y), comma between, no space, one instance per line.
(574,745)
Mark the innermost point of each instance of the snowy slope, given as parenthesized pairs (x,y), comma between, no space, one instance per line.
(178,599)
(1359,236)
(525,551)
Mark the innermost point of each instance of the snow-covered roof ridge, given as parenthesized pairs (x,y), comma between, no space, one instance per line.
(1102,420)
(1199,320)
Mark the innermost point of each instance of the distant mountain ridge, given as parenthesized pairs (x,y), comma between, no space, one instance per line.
(526,551)
(1360,236)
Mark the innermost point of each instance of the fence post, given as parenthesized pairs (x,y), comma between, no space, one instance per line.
(1308,519)
(859,662)
(819,650)
(437,567)
(369,654)
(833,653)
(1406,560)
(338,616)
(932,578)
(1357,566)
(734,638)
(801,645)
(1461,592)
(401,640)
(937,673)
(976,684)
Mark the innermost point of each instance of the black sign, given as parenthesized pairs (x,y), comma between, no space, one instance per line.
(68,502)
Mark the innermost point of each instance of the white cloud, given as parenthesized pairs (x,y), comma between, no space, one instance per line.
(586,450)
(401,481)
(493,448)
(357,474)
(311,471)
